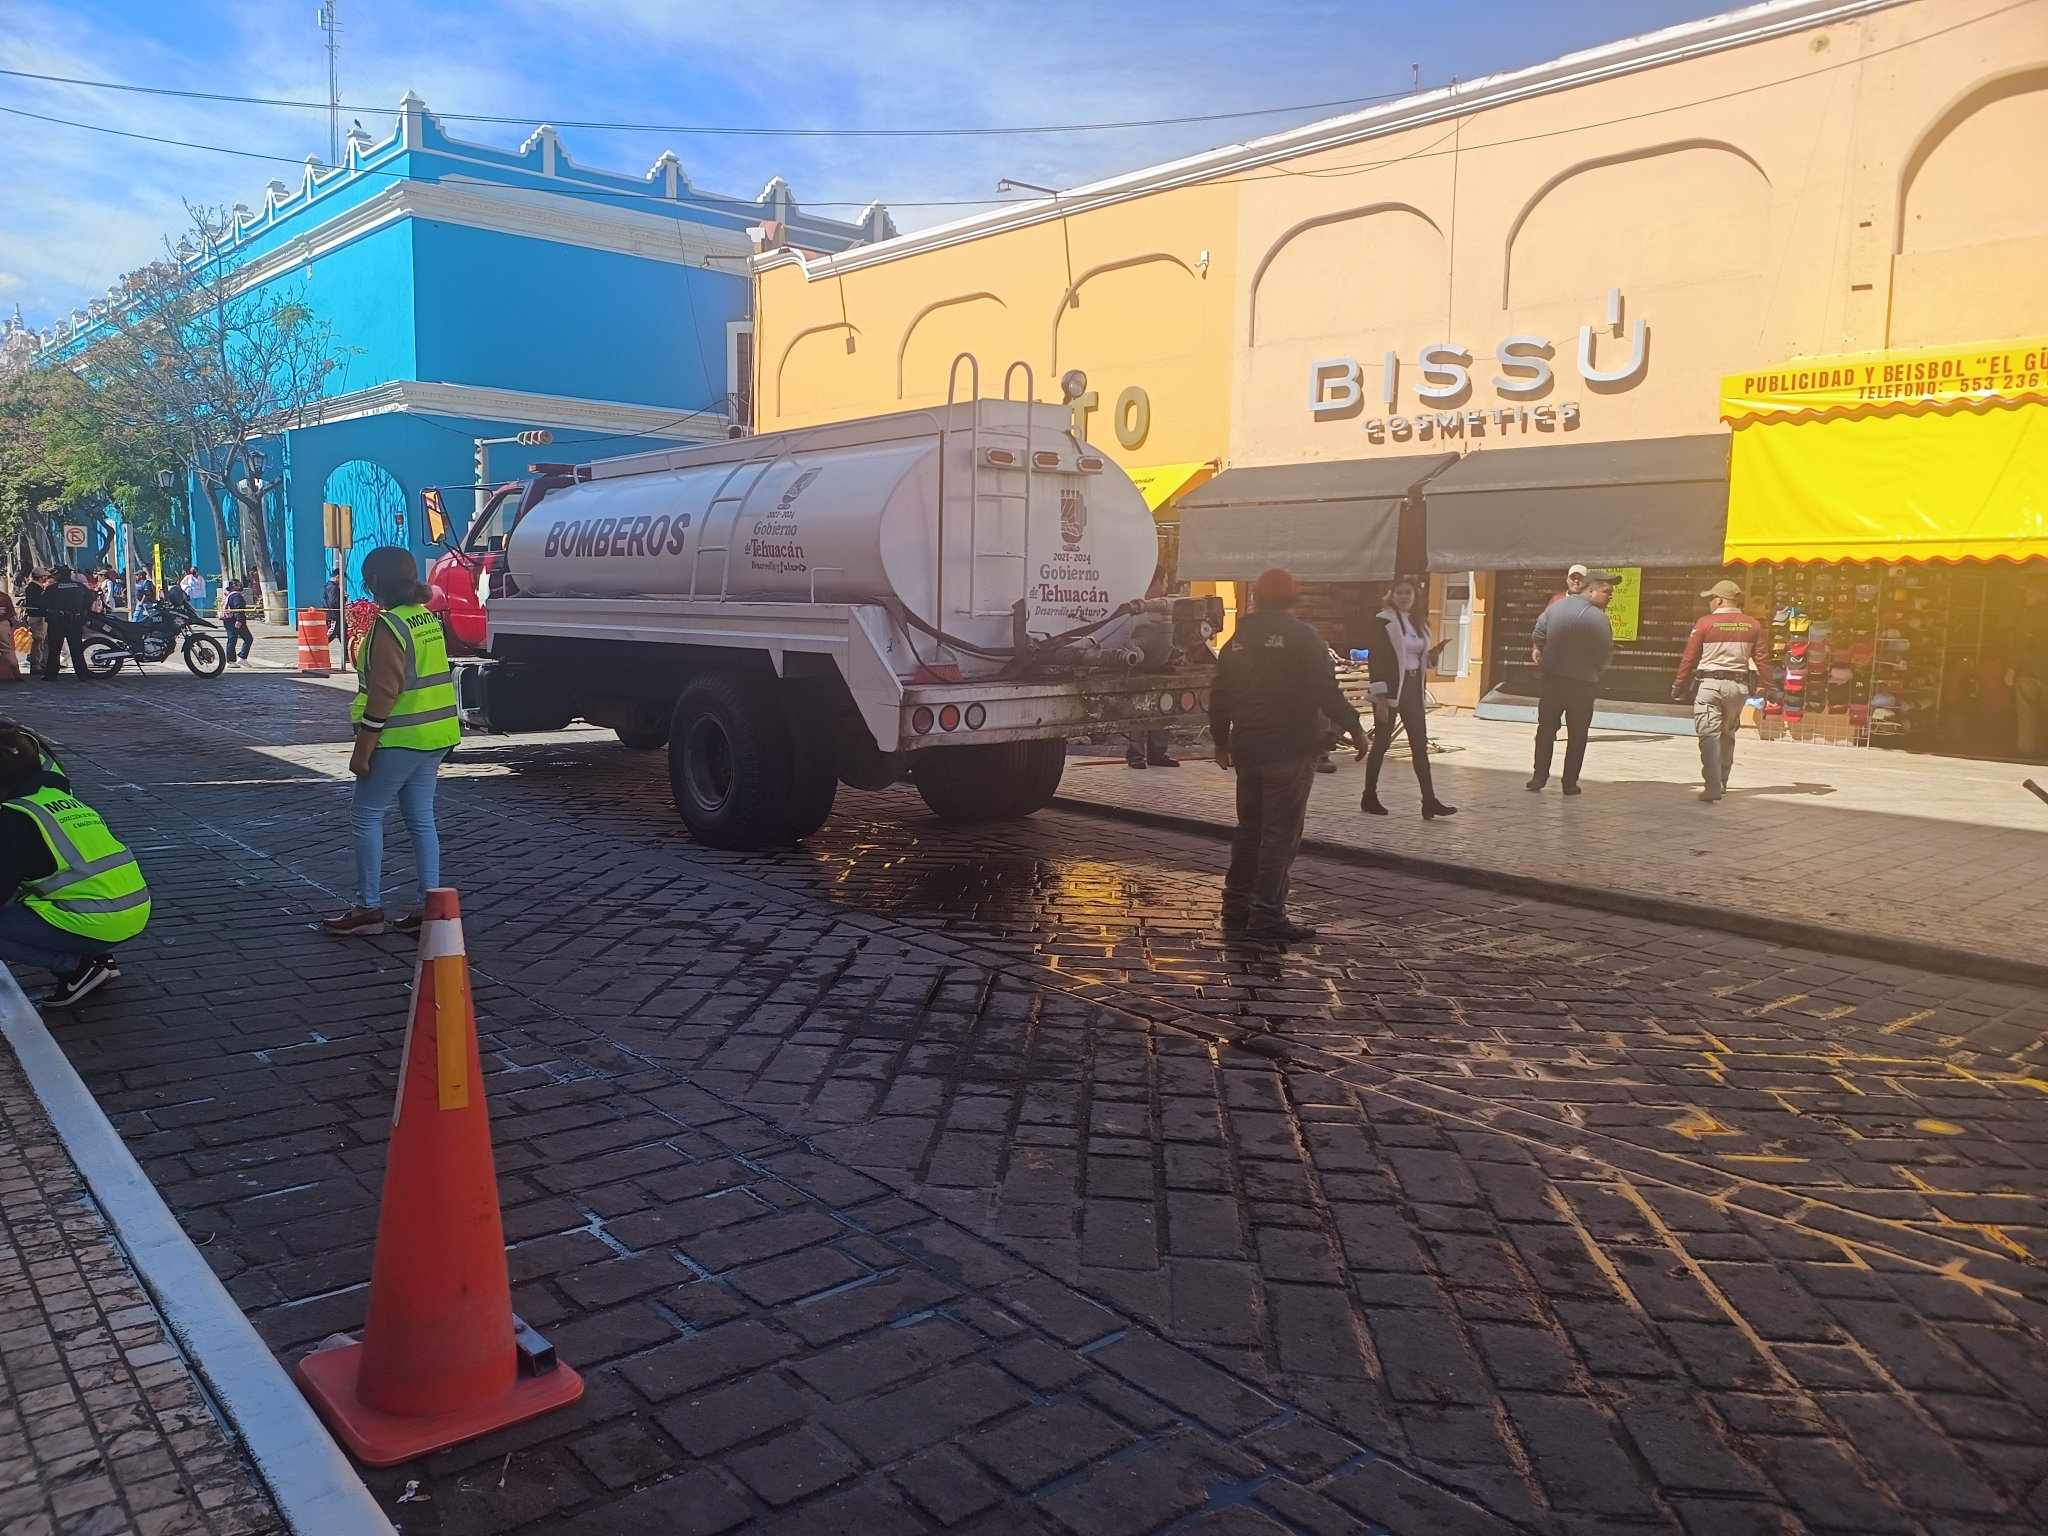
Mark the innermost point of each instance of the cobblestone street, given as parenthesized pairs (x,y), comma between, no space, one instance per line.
(923,1179)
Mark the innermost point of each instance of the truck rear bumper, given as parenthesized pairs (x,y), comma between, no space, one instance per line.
(958,714)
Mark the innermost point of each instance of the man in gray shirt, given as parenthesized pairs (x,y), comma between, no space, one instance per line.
(1573,640)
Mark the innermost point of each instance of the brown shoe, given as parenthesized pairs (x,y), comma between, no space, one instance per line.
(356,922)
(410,923)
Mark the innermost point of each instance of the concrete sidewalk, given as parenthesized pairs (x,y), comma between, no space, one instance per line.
(1933,860)
(103,1427)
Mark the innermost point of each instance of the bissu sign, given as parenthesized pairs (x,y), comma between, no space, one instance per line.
(1526,376)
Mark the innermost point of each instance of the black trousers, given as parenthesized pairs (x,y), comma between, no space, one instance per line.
(1272,800)
(1569,700)
(62,633)
(238,631)
(1411,716)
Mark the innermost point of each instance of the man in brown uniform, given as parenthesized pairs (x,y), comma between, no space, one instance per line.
(1725,645)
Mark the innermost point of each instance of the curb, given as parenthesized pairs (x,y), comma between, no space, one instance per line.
(314,1485)
(1664,909)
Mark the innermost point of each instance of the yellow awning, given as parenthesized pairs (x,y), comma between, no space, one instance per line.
(1162,484)
(1933,454)
(1857,383)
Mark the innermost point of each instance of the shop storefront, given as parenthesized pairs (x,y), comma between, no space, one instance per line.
(1344,529)
(1889,514)
(1652,510)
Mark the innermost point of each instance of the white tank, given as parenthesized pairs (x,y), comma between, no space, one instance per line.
(849,513)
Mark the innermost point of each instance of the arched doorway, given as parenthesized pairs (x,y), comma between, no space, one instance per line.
(376,504)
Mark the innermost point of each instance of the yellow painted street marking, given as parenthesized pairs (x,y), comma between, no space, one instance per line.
(1696,1123)
(1776,1003)
(1906,1023)
(451,1028)
(1937,1128)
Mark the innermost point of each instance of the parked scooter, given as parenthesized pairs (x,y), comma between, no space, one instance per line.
(171,623)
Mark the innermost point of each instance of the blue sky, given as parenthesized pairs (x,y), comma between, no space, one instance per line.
(78,208)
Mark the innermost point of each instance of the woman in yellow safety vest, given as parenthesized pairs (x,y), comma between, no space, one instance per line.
(73,891)
(405,724)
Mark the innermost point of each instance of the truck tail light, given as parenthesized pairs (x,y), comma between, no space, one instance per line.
(1166,703)
(1046,459)
(921,720)
(949,717)
(1001,457)
(1090,464)
(1187,702)
(977,716)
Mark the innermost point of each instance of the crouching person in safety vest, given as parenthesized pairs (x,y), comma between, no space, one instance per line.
(74,889)
(405,724)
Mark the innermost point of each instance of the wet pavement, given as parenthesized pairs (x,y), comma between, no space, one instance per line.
(925,1179)
(1868,844)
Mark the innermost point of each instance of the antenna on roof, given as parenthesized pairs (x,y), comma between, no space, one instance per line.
(331,25)
(1415,75)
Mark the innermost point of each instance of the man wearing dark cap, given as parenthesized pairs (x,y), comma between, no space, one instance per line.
(1713,676)
(1273,702)
(1571,645)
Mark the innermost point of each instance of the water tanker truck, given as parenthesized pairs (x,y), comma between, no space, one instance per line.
(942,595)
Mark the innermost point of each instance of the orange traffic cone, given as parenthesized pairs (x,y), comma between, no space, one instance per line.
(442,1358)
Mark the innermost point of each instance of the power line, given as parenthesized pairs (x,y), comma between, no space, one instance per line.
(1427,151)
(727,130)
(558,190)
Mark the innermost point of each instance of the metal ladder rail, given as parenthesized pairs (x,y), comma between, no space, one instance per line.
(973,471)
(724,496)
(983,434)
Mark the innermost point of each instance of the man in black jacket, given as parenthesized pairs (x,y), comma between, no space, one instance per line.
(1273,704)
(65,606)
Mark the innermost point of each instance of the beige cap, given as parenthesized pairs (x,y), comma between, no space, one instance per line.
(1728,589)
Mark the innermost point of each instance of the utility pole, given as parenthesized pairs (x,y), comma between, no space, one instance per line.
(330,26)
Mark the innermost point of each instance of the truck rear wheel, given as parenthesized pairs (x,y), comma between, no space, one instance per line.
(997,782)
(730,762)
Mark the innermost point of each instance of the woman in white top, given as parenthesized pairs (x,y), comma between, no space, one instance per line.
(1395,659)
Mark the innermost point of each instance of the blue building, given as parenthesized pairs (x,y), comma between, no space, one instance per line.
(478,292)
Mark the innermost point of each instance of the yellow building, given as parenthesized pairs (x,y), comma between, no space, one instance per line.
(1482,329)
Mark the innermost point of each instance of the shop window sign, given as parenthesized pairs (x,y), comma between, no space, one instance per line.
(1610,357)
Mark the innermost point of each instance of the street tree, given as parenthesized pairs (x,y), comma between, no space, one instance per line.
(61,462)
(197,359)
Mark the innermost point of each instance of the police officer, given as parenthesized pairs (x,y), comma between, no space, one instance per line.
(405,724)
(1274,698)
(74,891)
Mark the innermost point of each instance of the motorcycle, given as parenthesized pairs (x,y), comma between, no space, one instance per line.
(111,642)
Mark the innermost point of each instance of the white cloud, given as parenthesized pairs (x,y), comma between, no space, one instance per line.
(9,281)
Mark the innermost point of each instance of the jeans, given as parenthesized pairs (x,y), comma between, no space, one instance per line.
(238,632)
(1716,717)
(407,776)
(1408,712)
(1569,700)
(25,939)
(1272,800)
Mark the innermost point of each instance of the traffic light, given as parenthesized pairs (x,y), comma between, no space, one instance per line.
(537,437)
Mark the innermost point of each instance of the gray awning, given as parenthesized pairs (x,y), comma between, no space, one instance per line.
(1333,520)
(1658,501)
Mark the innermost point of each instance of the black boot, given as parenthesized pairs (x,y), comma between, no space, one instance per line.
(1431,809)
(1369,802)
